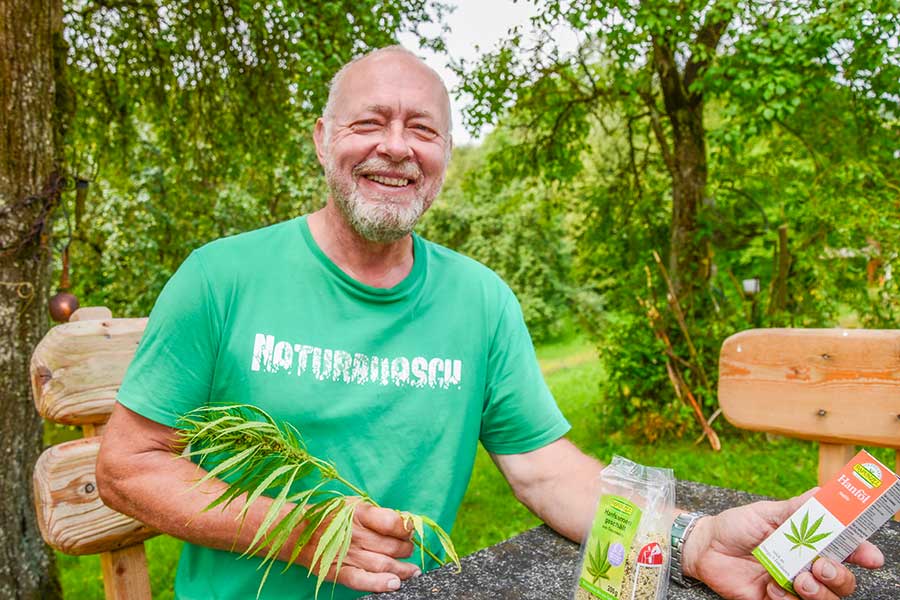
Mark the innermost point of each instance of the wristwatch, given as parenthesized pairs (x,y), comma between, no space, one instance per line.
(681,529)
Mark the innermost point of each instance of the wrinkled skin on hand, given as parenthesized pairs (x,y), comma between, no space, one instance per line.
(380,537)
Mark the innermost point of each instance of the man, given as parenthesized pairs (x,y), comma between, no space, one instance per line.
(394,357)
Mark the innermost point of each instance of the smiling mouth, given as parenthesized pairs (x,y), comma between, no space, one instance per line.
(389,181)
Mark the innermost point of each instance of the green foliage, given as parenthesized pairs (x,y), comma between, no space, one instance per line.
(511,229)
(193,121)
(795,109)
(256,455)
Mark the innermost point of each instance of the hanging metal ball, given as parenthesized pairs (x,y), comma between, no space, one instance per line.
(62,305)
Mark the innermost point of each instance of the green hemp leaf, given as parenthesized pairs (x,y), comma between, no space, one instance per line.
(597,564)
(805,536)
(254,454)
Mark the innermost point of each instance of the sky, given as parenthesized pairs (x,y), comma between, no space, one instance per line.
(474,24)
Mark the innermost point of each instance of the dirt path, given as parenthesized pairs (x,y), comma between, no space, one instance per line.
(548,367)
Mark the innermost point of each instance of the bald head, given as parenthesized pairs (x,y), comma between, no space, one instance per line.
(388,53)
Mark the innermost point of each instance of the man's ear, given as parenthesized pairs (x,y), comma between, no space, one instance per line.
(319,140)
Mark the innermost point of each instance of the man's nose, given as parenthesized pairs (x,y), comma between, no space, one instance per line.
(394,144)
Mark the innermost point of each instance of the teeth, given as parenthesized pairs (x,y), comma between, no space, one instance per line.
(388,180)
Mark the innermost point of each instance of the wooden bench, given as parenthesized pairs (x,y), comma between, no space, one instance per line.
(838,387)
(76,371)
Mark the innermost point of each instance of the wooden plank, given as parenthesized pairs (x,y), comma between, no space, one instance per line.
(77,368)
(71,516)
(125,575)
(840,386)
(832,458)
(91,313)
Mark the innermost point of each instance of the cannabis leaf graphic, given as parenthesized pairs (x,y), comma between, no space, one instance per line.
(597,565)
(806,535)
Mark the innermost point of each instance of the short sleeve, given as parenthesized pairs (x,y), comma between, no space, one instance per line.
(173,367)
(520,414)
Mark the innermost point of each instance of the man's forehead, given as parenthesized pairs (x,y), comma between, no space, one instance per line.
(381,83)
(387,109)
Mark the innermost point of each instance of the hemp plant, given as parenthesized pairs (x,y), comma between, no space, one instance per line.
(597,562)
(254,454)
(806,535)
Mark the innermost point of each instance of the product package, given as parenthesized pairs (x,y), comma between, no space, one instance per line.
(844,512)
(626,555)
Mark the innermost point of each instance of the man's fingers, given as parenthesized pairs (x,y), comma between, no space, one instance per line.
(868,556)
(366,581)
(838,578)
(383,544)
(777,511)
(379,563)
(383,520)
(776,592)
(828,581)
(373,572)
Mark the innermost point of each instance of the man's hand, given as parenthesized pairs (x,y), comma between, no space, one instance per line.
(379,538)
(718,553)
(138,468)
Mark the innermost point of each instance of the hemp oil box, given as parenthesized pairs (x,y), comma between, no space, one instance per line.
(843,513)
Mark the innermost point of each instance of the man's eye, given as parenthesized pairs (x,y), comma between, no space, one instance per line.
(366,125)
(425,130)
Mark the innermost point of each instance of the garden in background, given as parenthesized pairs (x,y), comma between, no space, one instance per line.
(690,170)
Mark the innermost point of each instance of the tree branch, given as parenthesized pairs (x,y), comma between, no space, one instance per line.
(656,125)
(712,30)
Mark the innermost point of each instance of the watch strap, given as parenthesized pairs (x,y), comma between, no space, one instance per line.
(681,529)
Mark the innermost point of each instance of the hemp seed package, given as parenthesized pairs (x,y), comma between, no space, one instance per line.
(626,555)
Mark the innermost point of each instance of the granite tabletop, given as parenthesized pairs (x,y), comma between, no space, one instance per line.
(540,564)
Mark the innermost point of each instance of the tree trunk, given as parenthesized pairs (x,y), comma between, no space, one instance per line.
(29,30)
(688,258)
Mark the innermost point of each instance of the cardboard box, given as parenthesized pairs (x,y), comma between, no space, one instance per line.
(844,512)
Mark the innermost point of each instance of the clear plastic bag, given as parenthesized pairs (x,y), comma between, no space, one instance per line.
(626,555)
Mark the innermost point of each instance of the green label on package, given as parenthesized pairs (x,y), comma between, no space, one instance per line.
(611,536)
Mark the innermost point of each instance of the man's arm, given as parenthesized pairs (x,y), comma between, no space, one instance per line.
(561,485)
(558,483)
(140,473)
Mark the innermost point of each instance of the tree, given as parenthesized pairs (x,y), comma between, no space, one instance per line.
(659,62)
(732,136)
(30,186)
(190,103)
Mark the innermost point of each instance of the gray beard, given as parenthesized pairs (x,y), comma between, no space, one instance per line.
(379,220)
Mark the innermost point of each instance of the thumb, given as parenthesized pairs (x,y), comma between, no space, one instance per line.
(778,512)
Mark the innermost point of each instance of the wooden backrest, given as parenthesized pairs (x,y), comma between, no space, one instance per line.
(76,370)
(839,387)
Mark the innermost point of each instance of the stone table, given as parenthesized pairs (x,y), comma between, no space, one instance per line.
(540,565)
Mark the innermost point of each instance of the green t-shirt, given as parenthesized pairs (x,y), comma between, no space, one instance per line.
(395,386)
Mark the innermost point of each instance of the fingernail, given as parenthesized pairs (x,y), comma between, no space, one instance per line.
(394,584)
(775,590)
(828,570)
(417,573)
(809,585)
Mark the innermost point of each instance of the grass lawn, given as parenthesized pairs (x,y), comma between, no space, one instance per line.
(490,513)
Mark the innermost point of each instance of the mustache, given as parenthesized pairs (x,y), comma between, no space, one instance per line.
(406,168)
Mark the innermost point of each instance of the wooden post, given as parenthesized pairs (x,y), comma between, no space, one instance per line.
(125,575)
(832,457)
